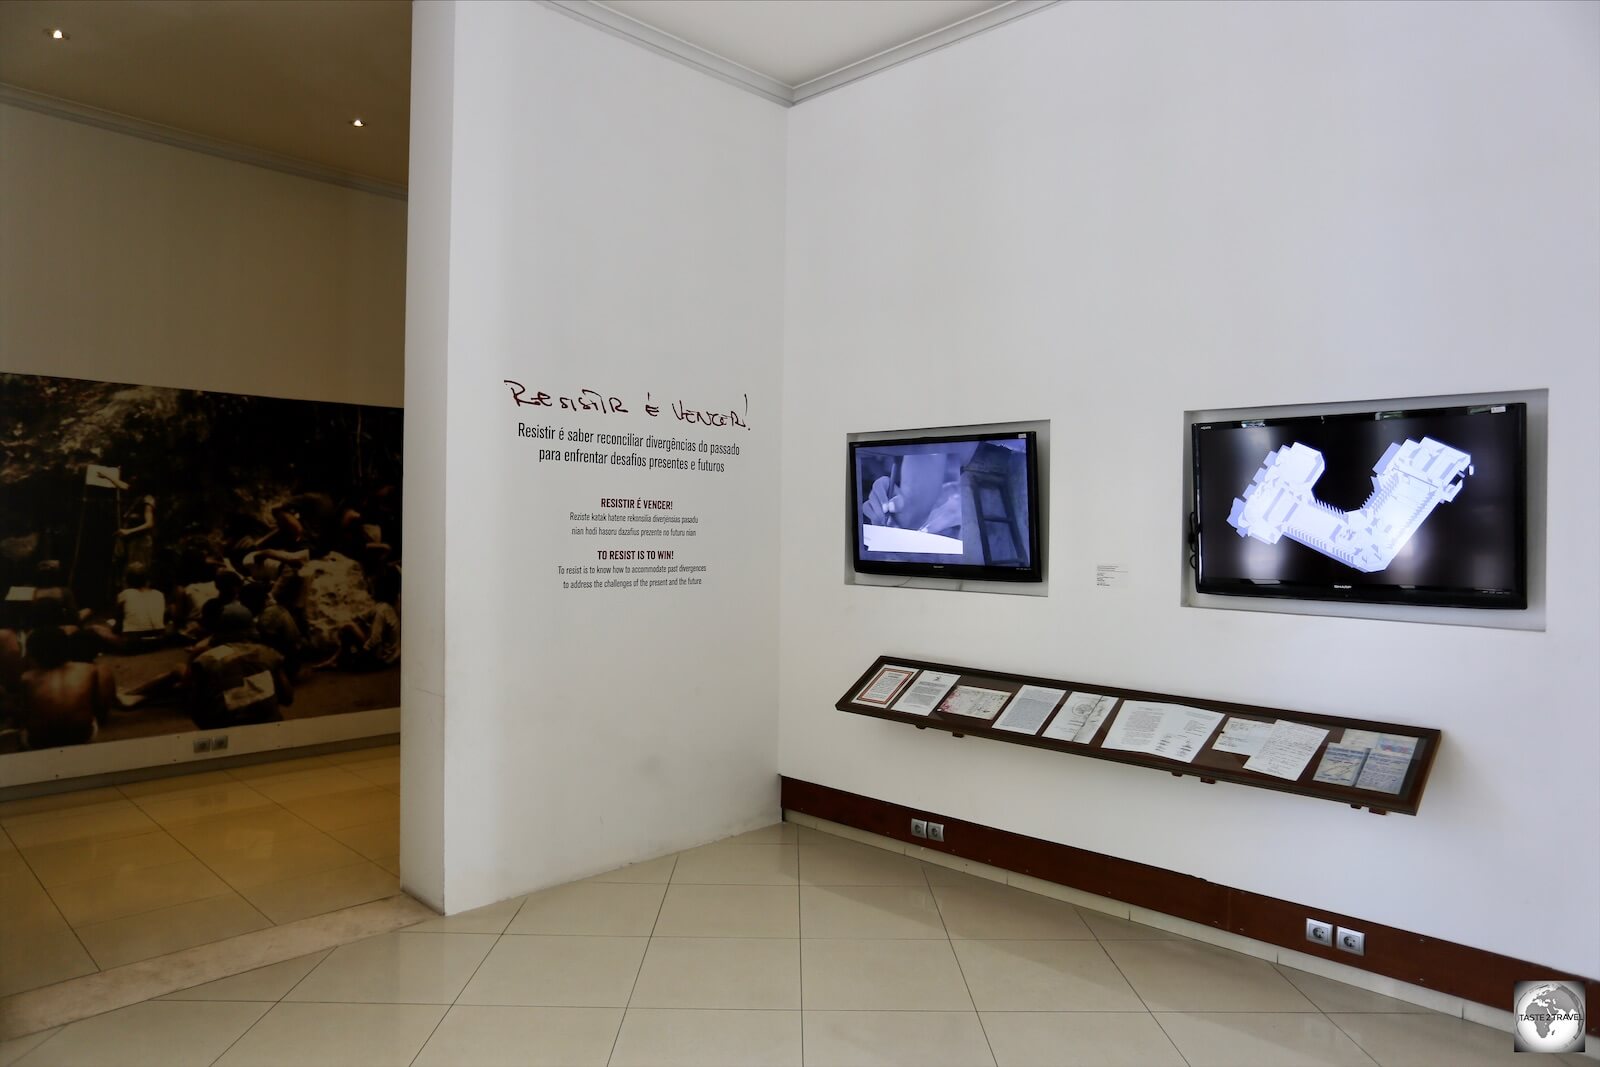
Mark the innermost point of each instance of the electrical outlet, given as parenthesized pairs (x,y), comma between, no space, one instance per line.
(1352,941)
(936,831)
(202,744)
(219,744)
(1319,933)
(919,827)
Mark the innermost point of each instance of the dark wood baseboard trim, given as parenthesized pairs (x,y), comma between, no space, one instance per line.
(1456,970)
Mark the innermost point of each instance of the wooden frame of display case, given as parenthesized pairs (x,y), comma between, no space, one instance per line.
(1210,766)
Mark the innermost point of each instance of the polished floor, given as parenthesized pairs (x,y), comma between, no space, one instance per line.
(781,946)
(95,879)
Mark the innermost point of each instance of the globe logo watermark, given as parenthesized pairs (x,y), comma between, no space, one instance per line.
(1550,1016)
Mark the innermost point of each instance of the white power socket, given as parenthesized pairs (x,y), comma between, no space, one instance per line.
(936,831)
(919,827)
(1319,933)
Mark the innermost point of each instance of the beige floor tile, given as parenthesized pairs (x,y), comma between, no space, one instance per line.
(882,976)
(375,840)
(206,802)
(139,890)
(13,1050)
(1189,976)
(940,874)
(270,983)
(522,1037)
(692,972)
(1110,928)
(11,861)
(994,912)
(852,864)
(591,908)
(1431,1040)
(396,969)
(77,798)
(380,772)
(174,783)
(357,807)
(895,1039)
(113,818)
(1016,975)
(320,892)
(156,933)
(302,785)
(658,870)
(557,972)
(280,768)
(882,911)
(24,903)
(362,755)
(41,954)
(1271,1039)
(252,832)
(736,864)
(336,1035)
(289,856)
(103,857)
(1078,1039)
(730,911)
(492,919)
(779,833)
(657,1037)
(158,1033)
(1331,996)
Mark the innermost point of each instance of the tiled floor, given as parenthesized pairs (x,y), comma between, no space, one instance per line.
(783,946)
(99,878)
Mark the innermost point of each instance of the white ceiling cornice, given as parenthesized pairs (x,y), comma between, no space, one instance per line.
(707,62)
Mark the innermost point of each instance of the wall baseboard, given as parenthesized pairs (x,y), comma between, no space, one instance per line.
(1456,979)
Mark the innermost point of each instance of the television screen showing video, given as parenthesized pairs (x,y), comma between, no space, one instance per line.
(955,507)
(1423,506)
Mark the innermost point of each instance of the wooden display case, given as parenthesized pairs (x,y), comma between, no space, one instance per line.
(1210,765)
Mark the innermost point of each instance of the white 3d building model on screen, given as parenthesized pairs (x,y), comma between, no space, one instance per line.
(1409,481)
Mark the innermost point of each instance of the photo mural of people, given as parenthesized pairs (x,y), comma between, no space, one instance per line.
(174,560)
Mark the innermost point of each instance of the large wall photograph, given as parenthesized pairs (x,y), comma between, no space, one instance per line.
(173,560)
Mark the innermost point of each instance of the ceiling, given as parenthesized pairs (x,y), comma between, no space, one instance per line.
(284,78)
(279,76)
(797,41)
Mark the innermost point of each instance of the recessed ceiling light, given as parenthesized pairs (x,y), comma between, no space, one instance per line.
(357,123)
(57,34)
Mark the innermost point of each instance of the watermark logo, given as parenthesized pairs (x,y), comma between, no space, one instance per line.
(1550,1016)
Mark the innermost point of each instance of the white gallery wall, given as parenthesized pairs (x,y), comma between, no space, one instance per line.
(127,260)
(585,215)
(1106,215)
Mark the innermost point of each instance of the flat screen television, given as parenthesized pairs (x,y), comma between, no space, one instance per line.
(1425,506)
(963,507)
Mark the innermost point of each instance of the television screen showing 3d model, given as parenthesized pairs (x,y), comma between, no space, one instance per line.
(1420,506)
(947,507)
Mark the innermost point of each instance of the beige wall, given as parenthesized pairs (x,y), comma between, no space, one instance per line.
(126,260)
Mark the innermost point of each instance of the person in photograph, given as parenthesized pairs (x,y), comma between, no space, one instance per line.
(64,702)
(136,539)
(237,681)
(918,496)
(275,627)
(141,610)
(376,644)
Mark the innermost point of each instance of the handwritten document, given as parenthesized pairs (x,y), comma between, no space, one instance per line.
(1340,765)
(1288,748)
(1383,772)
(1243,736)
(1081,717)
(974,703)
(1029,709)
(926,693)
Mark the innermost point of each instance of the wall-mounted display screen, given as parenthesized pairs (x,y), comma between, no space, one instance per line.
(1412,506)
(947,507)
